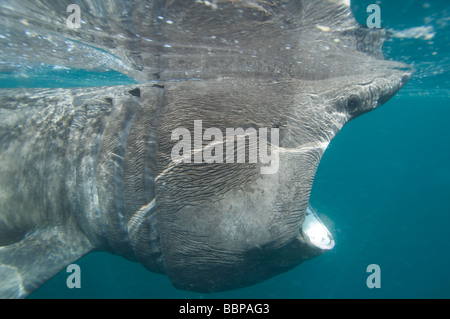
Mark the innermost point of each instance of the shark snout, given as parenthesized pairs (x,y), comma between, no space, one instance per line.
(393,83)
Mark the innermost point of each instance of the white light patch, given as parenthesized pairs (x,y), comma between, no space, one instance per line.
(422,32)
(323,28)
(316,232)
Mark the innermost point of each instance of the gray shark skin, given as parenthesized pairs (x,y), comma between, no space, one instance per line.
(88,169)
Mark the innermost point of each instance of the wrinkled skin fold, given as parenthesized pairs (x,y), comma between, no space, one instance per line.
(86,169)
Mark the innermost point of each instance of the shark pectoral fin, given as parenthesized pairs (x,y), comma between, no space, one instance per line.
(27,264)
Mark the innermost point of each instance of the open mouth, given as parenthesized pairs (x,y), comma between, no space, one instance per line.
(316,232)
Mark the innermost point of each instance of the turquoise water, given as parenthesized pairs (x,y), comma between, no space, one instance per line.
(48,76)
(382,187)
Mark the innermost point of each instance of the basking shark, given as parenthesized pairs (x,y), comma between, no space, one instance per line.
(91,169)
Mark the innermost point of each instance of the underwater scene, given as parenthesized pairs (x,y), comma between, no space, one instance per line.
(92,93)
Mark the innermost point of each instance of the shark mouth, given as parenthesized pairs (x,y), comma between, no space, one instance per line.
(316,232)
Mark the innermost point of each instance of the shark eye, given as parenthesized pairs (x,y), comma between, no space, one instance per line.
(353,103)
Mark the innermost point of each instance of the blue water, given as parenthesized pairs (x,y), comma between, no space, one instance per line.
(47,76)
(382,188)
